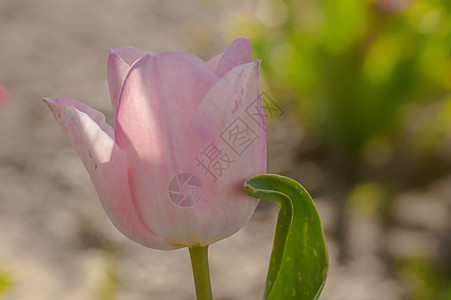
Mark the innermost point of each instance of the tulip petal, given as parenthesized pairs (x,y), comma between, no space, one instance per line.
(105,162)
(238,132)
(156,158)
(184,81)
(160,97)
(237,53)
(214,61)
(119,62)
(167,87)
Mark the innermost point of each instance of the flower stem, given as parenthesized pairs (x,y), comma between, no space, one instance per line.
(199,262)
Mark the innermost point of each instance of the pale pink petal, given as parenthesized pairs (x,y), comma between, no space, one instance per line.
(239,133)
(214,61)
(159,98)
(237,53)
(224,207)
(184,81)
(160,95)
(119,62)
(105,162)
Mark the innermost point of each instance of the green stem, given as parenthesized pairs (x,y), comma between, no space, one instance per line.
(199,261)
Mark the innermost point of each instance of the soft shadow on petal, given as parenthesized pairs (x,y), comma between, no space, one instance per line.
(105,162)
(237,53)
(159,98)
(161,95)
(119,62)
(238,131)
(184,81)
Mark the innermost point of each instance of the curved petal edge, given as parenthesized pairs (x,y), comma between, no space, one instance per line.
(106,164)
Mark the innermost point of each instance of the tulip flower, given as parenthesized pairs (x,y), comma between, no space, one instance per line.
(3,95)
(187,134)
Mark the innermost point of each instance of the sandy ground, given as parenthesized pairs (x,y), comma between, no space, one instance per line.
(55,239)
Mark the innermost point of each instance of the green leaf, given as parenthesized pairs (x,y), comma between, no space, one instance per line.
(299,259)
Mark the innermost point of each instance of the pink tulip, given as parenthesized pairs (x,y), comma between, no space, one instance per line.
(3,95)
(187,134)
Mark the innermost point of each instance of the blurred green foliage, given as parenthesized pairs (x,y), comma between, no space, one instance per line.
(351,65)
(108,288)
(6,282)
(427,279)
(366,76)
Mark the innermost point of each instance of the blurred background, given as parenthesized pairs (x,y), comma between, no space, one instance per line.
(358,100)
